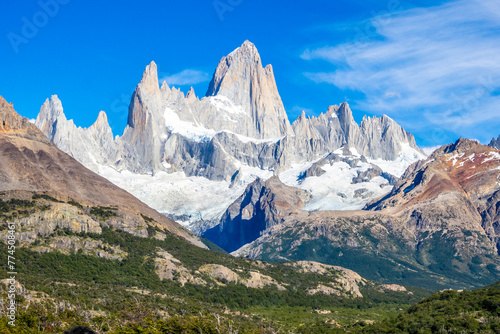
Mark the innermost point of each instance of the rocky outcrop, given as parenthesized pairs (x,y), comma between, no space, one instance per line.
(344,282)
(259,281)
(220,273)
(168,267)
(59,216)
(263,205)
(66,245)
(392,287)
(252,279)
(495,143)
(13,125)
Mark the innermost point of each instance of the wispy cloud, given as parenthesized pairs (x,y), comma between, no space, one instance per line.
(299,109)
(440,63)
(430,149)
(186,77)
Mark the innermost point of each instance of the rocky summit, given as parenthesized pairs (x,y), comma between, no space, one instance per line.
(495,143)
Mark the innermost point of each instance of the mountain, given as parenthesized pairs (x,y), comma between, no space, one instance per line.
(190,158)
(241,78)
(89,253)
(464,173)
(495,143)
(93,145)
(261,206)
(31,166)
(376,138)
(437,227)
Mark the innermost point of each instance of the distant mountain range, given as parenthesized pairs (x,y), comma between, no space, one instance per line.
(495,143)
(190,158)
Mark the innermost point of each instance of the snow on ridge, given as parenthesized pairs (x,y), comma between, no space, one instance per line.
(220,102)
(186,129)
(245,139)
(397,167)
(199,133)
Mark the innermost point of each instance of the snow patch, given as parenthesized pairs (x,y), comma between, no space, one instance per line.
(454,159)
(199,133)
(334,189)
(397,167)
(221,102)
(187,129)
(492,156)
(245,139)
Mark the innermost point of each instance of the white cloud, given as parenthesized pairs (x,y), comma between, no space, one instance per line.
(186,77)
(390,94)
(440,63)
(430,149)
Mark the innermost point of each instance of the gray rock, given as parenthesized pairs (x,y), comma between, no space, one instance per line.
(263,204)
(495,143)
(367,175)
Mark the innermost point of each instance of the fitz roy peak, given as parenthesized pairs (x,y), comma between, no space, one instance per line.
(237,132)
(241,78)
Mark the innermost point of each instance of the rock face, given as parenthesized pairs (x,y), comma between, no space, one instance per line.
(377,137)
(495,143)
(346,283)
(241,78)
(168,267)
(30,163)
(142,136)
(263,205)
(93,145)
(438,226)
(225,275)
(88,246)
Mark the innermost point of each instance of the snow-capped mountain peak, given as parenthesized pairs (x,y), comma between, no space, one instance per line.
(223,141)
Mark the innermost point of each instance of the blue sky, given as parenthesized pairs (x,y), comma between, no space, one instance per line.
(433,66)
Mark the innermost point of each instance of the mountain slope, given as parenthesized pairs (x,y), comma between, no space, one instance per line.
(437,227)
(30,162)
(446,311)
